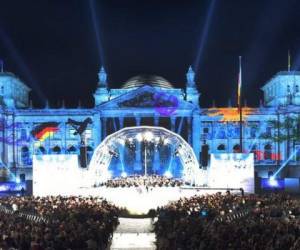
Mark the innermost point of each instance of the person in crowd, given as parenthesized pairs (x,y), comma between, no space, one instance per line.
(230,222)
(147,181)
(70,223)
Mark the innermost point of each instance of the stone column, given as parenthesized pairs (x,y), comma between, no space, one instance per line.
(180,125)
(196,134)
(114,124)
(138,153)
(104,119)
(156,121)
(9,140)
(189,125)
(121,122)
(173,123)
(138,121)
(97,130)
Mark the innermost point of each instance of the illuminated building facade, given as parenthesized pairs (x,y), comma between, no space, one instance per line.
(152,101)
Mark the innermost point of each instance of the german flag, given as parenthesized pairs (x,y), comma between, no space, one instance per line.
(44,130)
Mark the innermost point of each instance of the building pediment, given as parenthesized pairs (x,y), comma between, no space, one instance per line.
(147,97)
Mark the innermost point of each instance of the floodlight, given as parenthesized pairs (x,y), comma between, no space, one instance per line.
(139,137)
(148,136)
(273,182)
(168,174)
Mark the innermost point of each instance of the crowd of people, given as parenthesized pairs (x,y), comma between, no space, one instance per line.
(210,222)
(140,180)
(201,222)
(68,223)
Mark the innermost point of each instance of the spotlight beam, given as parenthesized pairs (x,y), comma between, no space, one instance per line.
(204,34)
(296,64)
(96,30)
(285,163)
(5,39)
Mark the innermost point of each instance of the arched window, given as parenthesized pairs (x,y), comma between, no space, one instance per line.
(268,131)
(56,150)
(41,150)
(268,152)
(288,89)
(25,156)
(22,177)
(297,89)
(221,147)
(236,148)
(205,130)
(72,150)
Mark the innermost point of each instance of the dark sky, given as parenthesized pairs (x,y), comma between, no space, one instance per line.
(52,45)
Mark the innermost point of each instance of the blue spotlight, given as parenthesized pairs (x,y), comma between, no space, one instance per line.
(204,34)
(123,174)
(273,182)
(285,163)
(168,174)
(4,38)
(18,181)
(96,29)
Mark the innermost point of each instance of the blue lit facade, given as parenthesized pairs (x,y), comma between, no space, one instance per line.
(133,105)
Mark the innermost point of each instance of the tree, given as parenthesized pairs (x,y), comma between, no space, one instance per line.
(296,133)
(287,130)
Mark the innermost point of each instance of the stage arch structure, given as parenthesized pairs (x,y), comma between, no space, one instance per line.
(149,150)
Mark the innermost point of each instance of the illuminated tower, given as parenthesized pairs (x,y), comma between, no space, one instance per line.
(13,92)
(192,94)
(102,93)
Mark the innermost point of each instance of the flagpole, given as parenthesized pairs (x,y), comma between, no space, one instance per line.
(240,104)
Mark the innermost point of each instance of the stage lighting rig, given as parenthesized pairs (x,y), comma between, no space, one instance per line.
(113,153)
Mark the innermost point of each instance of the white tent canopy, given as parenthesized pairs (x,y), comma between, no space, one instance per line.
(98,167)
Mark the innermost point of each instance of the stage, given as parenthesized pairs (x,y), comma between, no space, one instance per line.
(61,175)
(138,201)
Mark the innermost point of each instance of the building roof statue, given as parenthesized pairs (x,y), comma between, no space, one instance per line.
(102,78)
(190,77)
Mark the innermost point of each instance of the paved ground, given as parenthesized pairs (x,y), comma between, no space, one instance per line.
(134,234)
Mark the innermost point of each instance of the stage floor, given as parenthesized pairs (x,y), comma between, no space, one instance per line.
(140,201)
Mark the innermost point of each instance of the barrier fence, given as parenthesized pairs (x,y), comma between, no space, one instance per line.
(232,216)
(28,216)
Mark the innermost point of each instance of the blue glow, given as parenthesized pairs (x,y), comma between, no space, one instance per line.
(168,174)
(272,183)
(18,181)
(12,186)
(285,163)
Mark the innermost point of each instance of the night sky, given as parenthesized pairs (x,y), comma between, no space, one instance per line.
(57,46)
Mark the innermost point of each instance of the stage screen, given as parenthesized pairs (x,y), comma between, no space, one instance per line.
(234,170)
(56,175)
